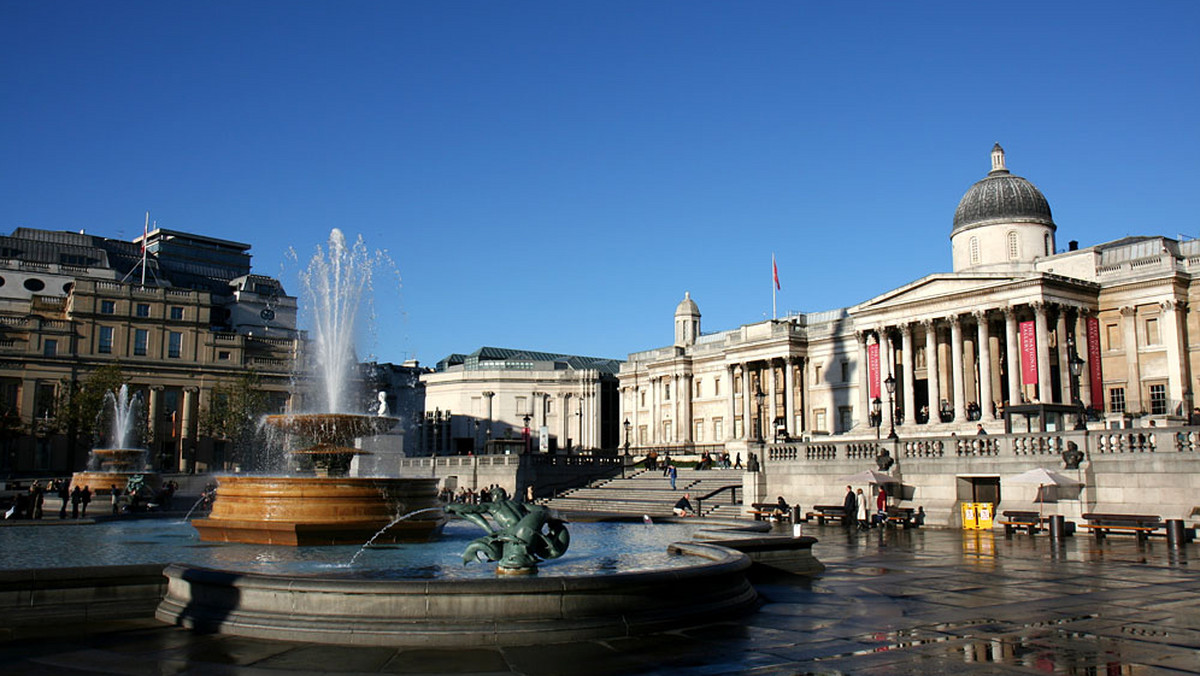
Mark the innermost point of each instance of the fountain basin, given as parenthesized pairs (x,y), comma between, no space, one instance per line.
(102,481)
(300,511)
(461,613)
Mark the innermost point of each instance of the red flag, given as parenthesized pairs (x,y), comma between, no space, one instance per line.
(775,272)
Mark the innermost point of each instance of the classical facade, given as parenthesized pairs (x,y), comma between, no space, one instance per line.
(1105,334)
(501,400)
(179,313)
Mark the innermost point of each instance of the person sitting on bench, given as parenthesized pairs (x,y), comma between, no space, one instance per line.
(781,509)
(683,506)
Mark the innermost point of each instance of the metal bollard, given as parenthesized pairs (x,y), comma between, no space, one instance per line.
(1176,533)
(1058,527)
(795,514)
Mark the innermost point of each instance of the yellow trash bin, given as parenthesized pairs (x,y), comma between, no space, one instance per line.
(969,519)
(983,515)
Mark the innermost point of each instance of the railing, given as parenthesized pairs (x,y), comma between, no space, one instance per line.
(678,449)
(733,497)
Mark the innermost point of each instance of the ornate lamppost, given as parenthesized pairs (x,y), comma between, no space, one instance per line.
(890,384)
(1076,365)
(625,460)
(876,415)
(528,438)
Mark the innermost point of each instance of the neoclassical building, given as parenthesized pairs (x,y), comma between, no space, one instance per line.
(1104,331)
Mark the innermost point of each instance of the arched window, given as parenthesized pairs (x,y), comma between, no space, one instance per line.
(1049,250)
(1013,250)
(974,250)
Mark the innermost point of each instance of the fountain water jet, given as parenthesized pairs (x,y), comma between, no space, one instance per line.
(329,508)
(121,459)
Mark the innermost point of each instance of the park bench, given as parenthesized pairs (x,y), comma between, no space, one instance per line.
(1141,525)
(903,516)
(766,510)
(1015,520)
(830,512)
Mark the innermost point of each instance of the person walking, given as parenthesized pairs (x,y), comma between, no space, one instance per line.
(881,506)
(64,494)
(849,506)
(672,474)
(76,498)
(85,497)
(863,511)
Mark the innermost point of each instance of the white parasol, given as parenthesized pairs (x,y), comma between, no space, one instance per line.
(870,476)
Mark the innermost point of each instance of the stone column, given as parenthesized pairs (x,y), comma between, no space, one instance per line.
(789,396)
(931,368)
(906,346)
(1064,366)
(1173,340)
(187,447)
(956,367)
(747,397)
(864,382)
(771,412)
(1045,391)
(154,410)
(985,364)
(731,402)
(1013,343)
(685,396)
(1133,377)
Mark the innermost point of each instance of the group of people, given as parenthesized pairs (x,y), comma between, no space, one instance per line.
(31,503)
(856,504)
(467,496)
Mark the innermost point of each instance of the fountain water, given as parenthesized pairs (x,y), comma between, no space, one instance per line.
(330,507)
(122,458)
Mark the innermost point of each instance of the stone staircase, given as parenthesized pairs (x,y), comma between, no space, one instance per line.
(649,492)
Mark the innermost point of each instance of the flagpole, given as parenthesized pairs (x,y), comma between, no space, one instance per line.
(774,284)
(145,233)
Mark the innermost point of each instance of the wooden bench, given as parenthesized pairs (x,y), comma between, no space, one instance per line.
(903,516)
(1015,520)
(830,512)
(767,510)
(1141,525)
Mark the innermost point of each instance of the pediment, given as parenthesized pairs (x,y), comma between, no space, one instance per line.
(941,288)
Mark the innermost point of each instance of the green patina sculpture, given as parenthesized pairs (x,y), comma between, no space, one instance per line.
(524,534)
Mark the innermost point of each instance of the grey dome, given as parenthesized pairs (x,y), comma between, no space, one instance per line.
(687,306)
(1001,197)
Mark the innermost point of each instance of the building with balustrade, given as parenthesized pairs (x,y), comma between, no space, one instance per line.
(1020,333)
(179,313)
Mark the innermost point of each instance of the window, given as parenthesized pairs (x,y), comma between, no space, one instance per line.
(1013,250)
(223,355)
(699,430)
(666,428)
(975,250)
(641,435)
(642,396)
(50,347)
(1112,336)
(1152,337)
(140,338)
(176,312)
(718,429)
(699,390)
(845,371)
(666,390)
(106,340)
(34,285)
(817,373)
(845,418)
(1158,399)
(1046,241)
(717,387)
(43,400)
(522,409)
(819,424)
(108,307)
(174,344)
(143,309)
(1116,400)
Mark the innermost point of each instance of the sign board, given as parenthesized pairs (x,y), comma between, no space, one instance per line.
(1029,356)
(544,439)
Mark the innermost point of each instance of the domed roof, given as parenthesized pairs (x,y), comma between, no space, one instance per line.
(1001,197)
(687,306)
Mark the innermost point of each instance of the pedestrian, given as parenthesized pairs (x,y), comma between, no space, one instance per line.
(849,506)
(980,431)
(76,498)
(683,506)
(116,499)
(64,494)
(85,497)
(738,461)
(881,505)
(672,473)
(37,496)
(863,511)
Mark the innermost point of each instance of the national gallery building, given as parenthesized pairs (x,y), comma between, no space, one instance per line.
(1098,336)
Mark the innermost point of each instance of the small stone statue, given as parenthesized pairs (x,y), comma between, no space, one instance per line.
(382,410)
(518,541)
(884,460)
(1072,456)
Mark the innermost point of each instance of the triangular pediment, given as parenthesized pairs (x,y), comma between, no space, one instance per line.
(941,287)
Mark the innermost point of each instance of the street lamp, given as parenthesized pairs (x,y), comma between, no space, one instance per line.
(528,439)
(1076,365)
(625,460)
(890,384)
(475,442)
(759,397)
(876,415)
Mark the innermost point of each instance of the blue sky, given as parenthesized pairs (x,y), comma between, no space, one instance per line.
(555,175)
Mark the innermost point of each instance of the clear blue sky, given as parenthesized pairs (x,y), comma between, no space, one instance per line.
(555,175)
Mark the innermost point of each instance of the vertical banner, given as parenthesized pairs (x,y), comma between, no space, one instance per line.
(1095,376)
(1029,359)
(873,370)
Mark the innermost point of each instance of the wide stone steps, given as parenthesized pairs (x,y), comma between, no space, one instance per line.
(648,492)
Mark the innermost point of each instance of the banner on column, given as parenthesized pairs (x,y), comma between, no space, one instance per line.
(873,370)
(1095,375)
(1029,359)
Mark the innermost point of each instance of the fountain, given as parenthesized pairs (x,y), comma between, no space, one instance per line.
(119,460)
(327,507)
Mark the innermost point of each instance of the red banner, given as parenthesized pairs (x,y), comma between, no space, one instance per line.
(1095,376)
(873,372)
(1029,358)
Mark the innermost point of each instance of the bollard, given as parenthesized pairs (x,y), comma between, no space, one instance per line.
(795,514)
(1176,534)
(797,530)
(1058,527)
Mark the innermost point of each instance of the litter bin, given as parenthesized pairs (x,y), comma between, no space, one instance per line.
(969,519)
(983,515)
